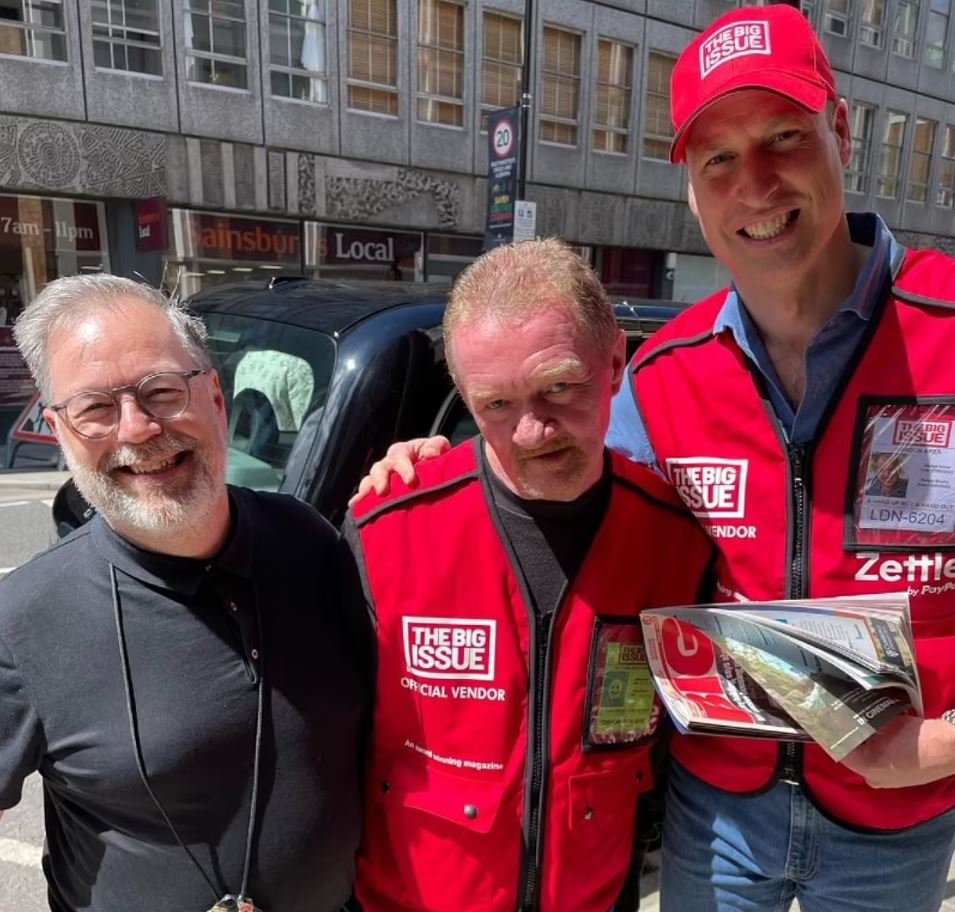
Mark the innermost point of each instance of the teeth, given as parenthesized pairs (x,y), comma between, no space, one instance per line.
(144,469)
(760,231)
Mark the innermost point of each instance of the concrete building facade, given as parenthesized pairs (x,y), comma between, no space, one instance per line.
(200,141)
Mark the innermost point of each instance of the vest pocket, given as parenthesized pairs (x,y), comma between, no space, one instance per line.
(436,840)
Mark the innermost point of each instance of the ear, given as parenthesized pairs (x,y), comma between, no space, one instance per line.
(691,199)
(52,419)
(618,362)
(218,397)
(840,126)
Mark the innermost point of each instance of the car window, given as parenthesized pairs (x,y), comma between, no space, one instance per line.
(273,376)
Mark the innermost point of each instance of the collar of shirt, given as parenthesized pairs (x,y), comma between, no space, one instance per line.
(178,574)
(882,262)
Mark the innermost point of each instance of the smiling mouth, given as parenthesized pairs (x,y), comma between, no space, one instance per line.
(771,228)
(154,466)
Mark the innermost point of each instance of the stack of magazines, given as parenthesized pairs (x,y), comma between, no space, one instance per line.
(829,670)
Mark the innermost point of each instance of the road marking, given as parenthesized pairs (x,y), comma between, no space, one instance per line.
(20,853)
(16,503)
(48,503)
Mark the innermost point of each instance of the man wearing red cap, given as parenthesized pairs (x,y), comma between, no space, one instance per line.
(833,346)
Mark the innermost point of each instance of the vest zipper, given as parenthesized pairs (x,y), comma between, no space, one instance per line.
(533,851)
(791,752)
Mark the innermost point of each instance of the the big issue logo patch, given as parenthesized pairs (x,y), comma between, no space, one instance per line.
(451,649)
(714,489)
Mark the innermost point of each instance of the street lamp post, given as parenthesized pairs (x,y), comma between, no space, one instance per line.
(527,97)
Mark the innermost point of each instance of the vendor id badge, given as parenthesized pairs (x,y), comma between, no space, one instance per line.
(902,487)
(622,708)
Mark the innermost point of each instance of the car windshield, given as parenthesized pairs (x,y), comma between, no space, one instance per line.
(274,377)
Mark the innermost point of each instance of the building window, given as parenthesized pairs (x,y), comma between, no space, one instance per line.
(33,28)
(837,17)
(126,36)
(906,29)
(441,62)
(890,164)
(657,128)
(921,162)
(936,34)
(560,86)
(612,101)
(807,8)
(857,174)
(373,56)
(215,43)
(502,62)
(946,173)
(873,23)
(298,57)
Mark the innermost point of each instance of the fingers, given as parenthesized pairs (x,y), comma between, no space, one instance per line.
(400,460)
(433,446)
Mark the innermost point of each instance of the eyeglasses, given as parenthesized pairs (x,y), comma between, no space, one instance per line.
(95,413)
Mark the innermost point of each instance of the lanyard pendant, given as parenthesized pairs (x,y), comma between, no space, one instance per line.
(226,904)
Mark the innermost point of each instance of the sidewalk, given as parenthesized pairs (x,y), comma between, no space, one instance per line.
(32,479)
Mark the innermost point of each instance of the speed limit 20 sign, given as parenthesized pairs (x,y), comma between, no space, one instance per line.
(502,139)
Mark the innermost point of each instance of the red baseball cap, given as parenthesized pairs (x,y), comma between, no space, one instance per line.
(771,47)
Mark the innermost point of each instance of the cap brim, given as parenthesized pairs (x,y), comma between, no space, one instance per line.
(811,97)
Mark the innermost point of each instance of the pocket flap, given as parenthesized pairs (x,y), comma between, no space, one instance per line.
(610,790)
(471,803)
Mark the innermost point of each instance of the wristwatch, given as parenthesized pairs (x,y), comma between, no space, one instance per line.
(948,716)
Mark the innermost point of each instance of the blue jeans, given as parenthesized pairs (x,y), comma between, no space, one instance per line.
(731,853)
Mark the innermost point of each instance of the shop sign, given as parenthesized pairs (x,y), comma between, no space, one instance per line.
(224,237)
(333,245)
(58,224)
(504,142)
(31,426)
(16,384)
(151,224)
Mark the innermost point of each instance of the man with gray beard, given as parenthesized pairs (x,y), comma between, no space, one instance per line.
(178,670)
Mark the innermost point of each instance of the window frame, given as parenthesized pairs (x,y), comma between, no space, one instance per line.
(918,156)
(217,56)
(485,108)
(555,119)
(872,30)
(909,40)
(437,48)
(861,147)
(896,179)
(934,54)
(626,89)
(390,90)
(667,139)
(319,76)
(830,18)
(945,185)
(111,41)
(30,30)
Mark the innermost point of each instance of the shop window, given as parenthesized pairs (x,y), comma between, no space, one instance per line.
(920,164)
(890,162)
(945,195)
(298,53)
(612,96)
(906,29)
(451,254)
(501,64)
(560,86)
(126,36)
(33,28)
(441,62)
(215,39)
(857,174)
(657,128)
(936,34)
(837,17)
(373,56)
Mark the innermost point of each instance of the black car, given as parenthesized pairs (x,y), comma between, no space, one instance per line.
(321,377)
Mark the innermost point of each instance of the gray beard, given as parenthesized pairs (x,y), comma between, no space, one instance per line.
(160,511)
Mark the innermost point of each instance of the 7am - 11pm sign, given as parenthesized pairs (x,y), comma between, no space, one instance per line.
(504,143)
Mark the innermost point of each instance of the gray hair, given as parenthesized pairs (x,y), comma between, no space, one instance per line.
(64,302)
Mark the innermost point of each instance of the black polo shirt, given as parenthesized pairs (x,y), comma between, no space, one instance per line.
(195,653)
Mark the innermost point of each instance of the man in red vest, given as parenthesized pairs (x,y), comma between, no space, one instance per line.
(515,714)
(827,358)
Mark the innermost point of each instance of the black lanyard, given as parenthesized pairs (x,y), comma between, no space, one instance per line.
(241,902)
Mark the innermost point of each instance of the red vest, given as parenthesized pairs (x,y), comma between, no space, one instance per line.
(786,523)
(471,711)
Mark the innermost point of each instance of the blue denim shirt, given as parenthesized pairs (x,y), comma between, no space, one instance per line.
(828,353)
